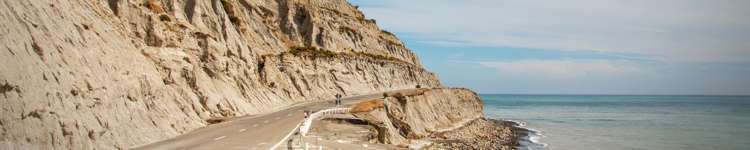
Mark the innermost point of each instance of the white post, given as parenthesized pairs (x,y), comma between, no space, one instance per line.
(301,139)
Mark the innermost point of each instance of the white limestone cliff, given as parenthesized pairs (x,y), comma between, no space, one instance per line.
(82,74)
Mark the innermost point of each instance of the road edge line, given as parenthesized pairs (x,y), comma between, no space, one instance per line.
(286,137)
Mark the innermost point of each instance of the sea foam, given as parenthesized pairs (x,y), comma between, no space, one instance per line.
(531,140)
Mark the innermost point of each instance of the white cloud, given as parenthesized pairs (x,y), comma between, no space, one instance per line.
(669,30)
(565,69)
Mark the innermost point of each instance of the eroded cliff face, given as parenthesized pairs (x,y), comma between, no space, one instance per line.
(81,74)
(407,117)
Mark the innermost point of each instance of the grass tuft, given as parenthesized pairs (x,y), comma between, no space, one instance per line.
(387,32)
(312,51)
(323,53)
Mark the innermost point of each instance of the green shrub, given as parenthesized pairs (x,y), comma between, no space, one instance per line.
(322,53)
(387,32)
(378,57)
(312,51)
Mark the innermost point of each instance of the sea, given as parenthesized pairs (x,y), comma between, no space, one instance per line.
(625,122)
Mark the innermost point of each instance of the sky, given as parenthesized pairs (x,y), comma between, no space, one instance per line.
(696,47)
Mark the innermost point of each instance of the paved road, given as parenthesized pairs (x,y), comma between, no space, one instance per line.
(251,132)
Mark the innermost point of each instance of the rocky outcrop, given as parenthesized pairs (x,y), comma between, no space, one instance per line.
(114,74)
(479,134)
(406,117)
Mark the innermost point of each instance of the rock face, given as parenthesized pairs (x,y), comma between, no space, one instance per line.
(411,116)
(114,74)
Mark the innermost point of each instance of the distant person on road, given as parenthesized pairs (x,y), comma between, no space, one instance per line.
(338,99)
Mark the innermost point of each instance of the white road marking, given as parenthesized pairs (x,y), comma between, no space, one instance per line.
(255,125)
(277,118)
(289,114)
(262,143)
(242,130)
(309,146)
(286,137)
(343,141)
(219,138)
(265,121)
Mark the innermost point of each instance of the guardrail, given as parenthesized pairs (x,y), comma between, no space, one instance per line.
(307,123)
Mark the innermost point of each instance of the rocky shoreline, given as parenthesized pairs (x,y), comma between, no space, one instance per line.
(482,133)
(440,118)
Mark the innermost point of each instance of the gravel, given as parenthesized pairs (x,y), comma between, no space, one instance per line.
(483,134)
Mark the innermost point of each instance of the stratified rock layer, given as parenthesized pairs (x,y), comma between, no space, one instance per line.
(114,74)
(407,117)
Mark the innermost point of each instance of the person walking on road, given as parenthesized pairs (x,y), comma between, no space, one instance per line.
(307,113)
(338,99)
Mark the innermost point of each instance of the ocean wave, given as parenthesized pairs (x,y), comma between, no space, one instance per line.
(535,140)
(531,140)
(518,123)
(604,120)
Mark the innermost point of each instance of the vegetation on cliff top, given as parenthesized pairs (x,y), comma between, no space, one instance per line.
(323,53)
(387,32)
(312,51)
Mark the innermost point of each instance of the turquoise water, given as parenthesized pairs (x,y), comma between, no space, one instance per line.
(568,122)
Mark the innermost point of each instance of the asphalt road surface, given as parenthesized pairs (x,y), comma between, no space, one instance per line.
(251,132)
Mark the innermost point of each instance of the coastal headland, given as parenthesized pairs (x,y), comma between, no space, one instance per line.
(235,74)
